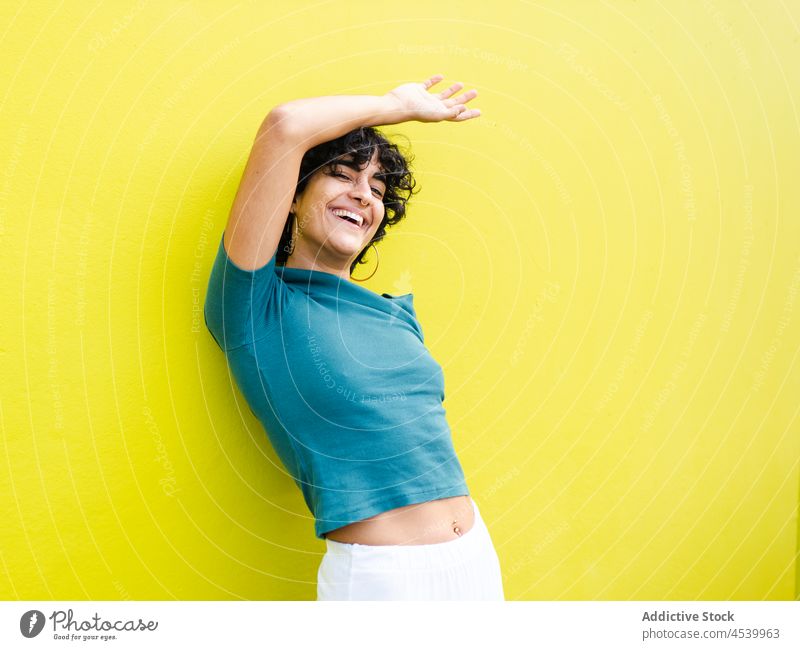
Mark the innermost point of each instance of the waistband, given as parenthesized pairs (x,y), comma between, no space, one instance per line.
(473,541)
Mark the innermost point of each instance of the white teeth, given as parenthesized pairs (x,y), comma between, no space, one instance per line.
(347,213)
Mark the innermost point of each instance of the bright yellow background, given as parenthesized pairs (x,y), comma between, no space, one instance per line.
(606,263)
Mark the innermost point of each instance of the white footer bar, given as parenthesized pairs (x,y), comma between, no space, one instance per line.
(387,625)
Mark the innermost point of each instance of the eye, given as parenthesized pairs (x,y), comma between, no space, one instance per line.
(377,191)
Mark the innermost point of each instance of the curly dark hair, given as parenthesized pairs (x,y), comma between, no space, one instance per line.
(361,143)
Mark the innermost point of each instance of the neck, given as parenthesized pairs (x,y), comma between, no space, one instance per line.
(304,260)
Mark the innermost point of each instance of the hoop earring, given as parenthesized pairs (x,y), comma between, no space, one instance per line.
(290,248)
(376,266)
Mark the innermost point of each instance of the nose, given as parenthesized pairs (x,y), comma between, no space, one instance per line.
(361,191)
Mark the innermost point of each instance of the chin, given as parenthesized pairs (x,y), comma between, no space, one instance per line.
(349,247)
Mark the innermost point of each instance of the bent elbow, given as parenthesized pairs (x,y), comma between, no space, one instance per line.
(279,123)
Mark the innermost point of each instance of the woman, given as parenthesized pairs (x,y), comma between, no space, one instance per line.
(339,376)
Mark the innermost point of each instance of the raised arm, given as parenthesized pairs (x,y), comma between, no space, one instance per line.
(268,183)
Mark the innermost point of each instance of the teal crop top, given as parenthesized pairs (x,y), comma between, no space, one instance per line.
(343,384)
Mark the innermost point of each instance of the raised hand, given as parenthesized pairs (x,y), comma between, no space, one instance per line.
(424,106)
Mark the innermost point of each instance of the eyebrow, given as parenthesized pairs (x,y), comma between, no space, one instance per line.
(350,162)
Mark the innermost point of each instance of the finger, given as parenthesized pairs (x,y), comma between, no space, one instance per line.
(465,97)
(452,89)
(468,114)
(435,79)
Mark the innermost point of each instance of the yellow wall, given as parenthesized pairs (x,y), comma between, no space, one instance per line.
(606,263)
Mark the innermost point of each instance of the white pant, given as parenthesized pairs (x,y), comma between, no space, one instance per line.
(465,568)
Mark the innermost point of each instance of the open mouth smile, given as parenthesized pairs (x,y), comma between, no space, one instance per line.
(350,218)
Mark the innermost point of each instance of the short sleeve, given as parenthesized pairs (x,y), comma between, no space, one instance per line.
(238,301)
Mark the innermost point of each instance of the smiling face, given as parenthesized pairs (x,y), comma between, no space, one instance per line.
(328,240)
